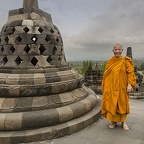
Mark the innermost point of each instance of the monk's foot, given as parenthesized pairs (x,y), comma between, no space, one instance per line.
(112,125)
(124,126)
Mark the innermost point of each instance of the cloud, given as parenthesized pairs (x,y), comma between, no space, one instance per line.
(121,22)
(90,28)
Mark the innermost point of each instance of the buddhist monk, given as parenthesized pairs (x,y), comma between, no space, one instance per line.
(118,80)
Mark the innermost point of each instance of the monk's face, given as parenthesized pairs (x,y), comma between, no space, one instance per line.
(117,50)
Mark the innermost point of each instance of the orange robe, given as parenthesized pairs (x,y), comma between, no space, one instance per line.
(115,101)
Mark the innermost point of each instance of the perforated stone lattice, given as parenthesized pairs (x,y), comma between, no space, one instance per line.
(23,43)
(38,89)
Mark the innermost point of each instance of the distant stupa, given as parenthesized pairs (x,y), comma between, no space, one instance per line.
(40,96)
(129,52)
(139,89)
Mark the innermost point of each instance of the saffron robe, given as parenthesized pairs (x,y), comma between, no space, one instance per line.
(115,100)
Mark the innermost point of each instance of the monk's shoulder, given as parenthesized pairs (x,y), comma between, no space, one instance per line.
(128,60)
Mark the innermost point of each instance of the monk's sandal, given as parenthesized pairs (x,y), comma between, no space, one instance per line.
(112,125)
(125,127)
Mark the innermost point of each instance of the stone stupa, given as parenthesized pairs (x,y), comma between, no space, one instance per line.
(40,96)
(139,89)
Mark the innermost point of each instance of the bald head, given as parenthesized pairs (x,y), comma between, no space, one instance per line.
(117,50)
(117,45)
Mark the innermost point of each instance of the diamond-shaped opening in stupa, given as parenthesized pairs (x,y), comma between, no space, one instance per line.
(6,39)
(47,38)
(49,59)
(54,50)
(52,31)
(26,29)
(40,30)
(42,49)
(19,39)
(18,60)
(58,32)
(12,49)
(2,49)
(5,60)
(59,58)
(13,30)
(57,40)
(5,30)
(34,61)
(27,49)
(34,39)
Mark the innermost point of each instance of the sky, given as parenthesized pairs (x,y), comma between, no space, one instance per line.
(90,28)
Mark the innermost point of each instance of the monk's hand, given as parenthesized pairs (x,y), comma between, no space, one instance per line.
(129,88)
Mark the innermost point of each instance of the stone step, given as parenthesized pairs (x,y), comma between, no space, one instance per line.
(48,117)
(39,89)
(46,133)
(37,78)
(23,104)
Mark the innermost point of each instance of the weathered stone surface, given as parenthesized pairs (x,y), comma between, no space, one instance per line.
(12,79)
(13,122)
(8,104)
(65,113)
(2,121)
(40,96)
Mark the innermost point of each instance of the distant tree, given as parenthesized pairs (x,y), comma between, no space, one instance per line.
(142,67)
(84,67)
(102,67)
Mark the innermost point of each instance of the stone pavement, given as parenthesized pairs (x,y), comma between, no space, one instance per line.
(99,133)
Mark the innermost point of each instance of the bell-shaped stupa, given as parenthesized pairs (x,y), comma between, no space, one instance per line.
(40,96)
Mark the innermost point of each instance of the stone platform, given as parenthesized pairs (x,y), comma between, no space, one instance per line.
(99,132)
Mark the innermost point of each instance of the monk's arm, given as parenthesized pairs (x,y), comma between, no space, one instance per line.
(130,74)
(129,88)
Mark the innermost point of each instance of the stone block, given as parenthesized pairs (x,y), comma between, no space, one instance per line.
(4,91)
(47,133)
(39,102)
(35,16)
(17,17)
(66,97)
(5,138)
(26,79)
(2,121)
(80,93)
(78,109)
(14,91)
(26,103)
(51,117)
(59,87)
(75,125)
(33,136)
(39,79)
(87,104)
(13,122)
(12,79)
(27,22)
(42,61)
(10,61)
(65,113)
(56,99)
(88,120)
(33,120)
(15,23)
(61,130)
(33,30)
(92,99)
(18,137)
(1,102)
(49,49)
(8,104)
